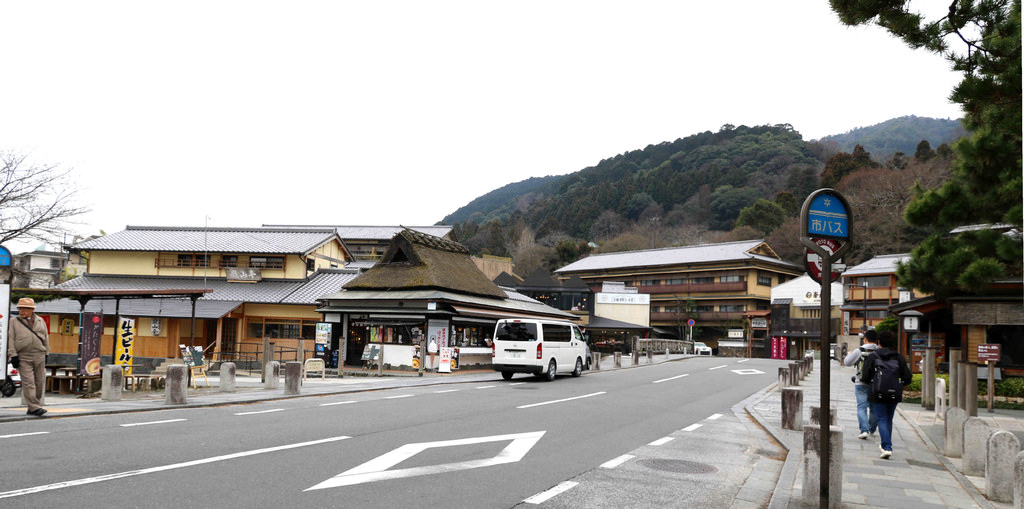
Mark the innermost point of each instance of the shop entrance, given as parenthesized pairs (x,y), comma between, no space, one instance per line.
(354,348)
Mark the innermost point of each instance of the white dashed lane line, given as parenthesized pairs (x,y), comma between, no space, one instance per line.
(447,390)
(661,441)
(262,412)
(617,461)
(692,427)
(337,403)
(718,367)
(25,434)
(400,396)
(151,422)
(714,417)
(486,387)
(544,496)
(562,400)
(670,378)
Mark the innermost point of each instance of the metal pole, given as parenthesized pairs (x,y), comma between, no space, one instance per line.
(826,335)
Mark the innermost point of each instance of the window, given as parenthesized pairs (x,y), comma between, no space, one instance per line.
(266,262)
(559,333)
(193,260)
(873,281)
(517,331)
(732,308)
(677,281)
(731,279)
(703,280)
(229,261)
(764,279)
(704,309)
(649,282)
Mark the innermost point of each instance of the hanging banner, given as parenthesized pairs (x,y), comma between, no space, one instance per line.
(5,309)
(89,336)
(125,338)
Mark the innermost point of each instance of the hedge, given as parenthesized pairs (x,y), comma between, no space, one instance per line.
(1010,387)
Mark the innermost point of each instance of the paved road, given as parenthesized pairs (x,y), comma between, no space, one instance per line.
(484,444)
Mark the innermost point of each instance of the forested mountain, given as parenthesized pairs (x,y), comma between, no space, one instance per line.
(899,135)
(734,184)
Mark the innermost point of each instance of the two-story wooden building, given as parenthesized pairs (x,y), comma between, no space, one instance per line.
(870,288)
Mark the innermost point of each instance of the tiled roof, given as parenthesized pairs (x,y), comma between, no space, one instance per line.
(323,282)
(705,253)
(164,308)
(883,264)
(211,240)
(375,232)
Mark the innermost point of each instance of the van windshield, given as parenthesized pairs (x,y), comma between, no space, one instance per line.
(517,331)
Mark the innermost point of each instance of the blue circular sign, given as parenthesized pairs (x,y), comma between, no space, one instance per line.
(690,322)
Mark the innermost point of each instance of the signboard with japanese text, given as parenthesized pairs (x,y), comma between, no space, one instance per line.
(446,360)
(828,217)
(124,336)
(5,309)
(989,352)
(5,257)
(758,323)
(437,332)
(812,262)
(90,334)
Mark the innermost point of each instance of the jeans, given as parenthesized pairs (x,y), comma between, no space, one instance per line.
(866,418)
(884,411)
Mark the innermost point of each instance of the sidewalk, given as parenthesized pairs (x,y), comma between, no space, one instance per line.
(917,475)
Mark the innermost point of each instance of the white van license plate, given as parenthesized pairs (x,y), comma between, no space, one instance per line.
(515,355)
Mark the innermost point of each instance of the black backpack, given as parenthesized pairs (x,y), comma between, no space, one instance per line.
(886,386)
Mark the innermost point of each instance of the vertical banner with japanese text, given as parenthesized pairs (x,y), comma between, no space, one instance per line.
(90,333)
(5,309)
(125,338)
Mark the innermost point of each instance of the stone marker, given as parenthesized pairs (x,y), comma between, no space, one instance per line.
(1018,481)
(618,359)
(272,375)
(812,468)
(954,377)
(971,388)
(783,378)
(113,383)
(595,361)
(292,377)
(176,390)
(794,373)
(816,416)
(650,357)
(227,377)
(955,418)
(975,446)
(1003,449)
(792,409)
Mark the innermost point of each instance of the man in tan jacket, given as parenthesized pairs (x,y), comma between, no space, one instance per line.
(29,341)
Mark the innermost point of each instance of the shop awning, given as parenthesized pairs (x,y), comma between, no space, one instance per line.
(499,313)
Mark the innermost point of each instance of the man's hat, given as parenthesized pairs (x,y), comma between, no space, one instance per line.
(26,302)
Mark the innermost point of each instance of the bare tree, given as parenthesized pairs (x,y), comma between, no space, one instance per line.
(37,201)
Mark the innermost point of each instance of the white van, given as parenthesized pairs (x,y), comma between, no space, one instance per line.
(539,347)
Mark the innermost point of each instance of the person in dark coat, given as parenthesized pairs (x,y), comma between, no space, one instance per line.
(885,409)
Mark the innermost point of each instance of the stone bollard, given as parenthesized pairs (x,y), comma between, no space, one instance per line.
(975,441)
(595,361)
(794,374)
(176,390)
(113,383)
(961,392)
(954,378)
(955,418)
(650,357)
(783,378)
(816,416)
(1003,449)
(292,377)
(971,388)
(666,354)
(940,398)
(928,379)
(618,359)
(227,377)
(1018,481)
(272,375)
(812,466)
(793,409)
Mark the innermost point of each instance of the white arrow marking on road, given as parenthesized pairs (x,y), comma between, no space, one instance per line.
(151,422)
(377,469)
(667,379)
(747,372)
(544,496)
(131,473)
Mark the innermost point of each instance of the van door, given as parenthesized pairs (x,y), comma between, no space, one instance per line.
(557,339)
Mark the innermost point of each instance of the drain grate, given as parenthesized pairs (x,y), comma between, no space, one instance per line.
(679,466)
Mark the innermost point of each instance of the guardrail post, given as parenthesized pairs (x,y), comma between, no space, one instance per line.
(227,377)
(176,389)
(272,375)
(113,383)
(292,377)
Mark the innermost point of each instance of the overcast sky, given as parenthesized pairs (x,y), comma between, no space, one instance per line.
(384,113)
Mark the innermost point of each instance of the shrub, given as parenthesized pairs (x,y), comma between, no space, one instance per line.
(1011,387)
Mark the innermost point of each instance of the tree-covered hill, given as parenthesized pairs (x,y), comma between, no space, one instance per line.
(501,202)
(899,135)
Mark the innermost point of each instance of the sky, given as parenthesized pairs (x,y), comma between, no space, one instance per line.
(231,114)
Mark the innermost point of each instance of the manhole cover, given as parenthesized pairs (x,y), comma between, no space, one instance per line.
(679,466)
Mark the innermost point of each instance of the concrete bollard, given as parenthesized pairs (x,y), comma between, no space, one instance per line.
(783,378)
(650,357)
(595,361)
(1003,449)
(176,390)
(794,374)
(666,354)
(113,383)
(292,377)
(961,392)
(954,378)
(272,375)
(940,398)
(618,359)
(793,409)
(227,377)
(816,416)
(971,388)
(975,442)
(812,466)
(1018,481)
(955,418)
(928,379)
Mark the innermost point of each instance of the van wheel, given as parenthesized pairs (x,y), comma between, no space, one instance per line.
(507,375)
(578,370)
(550,375)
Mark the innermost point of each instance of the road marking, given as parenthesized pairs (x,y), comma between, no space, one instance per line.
(164,468)
(714,417)
(617,461)
(661,441)
(718,367)
(486,387)
(692,427)
(667,379)
(562,400)
(747,372)
(447,390)
(742,361)
(542,497)
(377,468)
(261,412)
(25,434)
(337,403)
(400,396)
(517,383)
(151,422)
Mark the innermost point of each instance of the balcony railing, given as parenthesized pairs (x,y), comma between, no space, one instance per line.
(174,263)
(739,286)
(708,316)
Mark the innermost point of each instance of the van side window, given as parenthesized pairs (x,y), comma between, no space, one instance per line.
(553,332)
(517,331)
(576,334)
